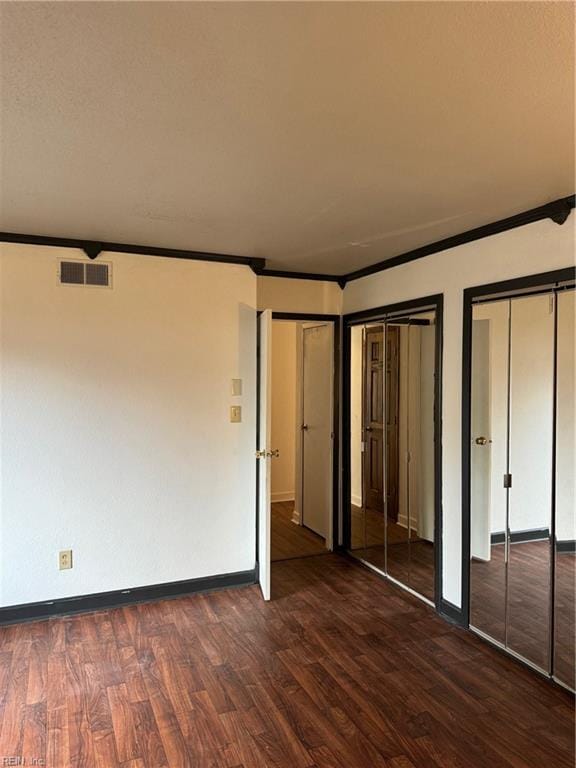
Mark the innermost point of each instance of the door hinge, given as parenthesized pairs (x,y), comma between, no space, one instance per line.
(262,454)
(507,481)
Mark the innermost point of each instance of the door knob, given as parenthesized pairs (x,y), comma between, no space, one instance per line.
(482,440)
(305,427)
(368,429)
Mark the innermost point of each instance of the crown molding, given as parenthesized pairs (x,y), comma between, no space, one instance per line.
(557,210)
(93,248)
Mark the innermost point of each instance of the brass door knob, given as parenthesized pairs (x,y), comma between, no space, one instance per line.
(482,441)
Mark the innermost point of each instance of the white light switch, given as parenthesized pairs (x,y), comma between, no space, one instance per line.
(235,414)
(236,387)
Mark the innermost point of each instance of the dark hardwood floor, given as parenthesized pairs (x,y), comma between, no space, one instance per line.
(410,562)
(340,670)
(528,611)
(290,540)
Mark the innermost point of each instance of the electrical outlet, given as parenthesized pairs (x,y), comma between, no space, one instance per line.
(65,559)
(235,414)
(236,387)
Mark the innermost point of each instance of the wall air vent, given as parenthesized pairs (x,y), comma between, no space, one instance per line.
(85,273)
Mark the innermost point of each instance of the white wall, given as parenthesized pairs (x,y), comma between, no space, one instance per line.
(283,409)
(293,295)
(537,247)
(116,440)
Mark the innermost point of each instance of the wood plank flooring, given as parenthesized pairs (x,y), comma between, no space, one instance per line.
(410,562)
(340,670)
(290,540)
(528,611)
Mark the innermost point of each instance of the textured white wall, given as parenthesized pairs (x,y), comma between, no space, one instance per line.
(116,439)
(537,247)
(293,295)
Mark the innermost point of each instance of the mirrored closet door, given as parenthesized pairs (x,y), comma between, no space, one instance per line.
(521,477)
(392,447)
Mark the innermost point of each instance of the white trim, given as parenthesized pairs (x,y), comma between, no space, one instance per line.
(356,500)
(283,496)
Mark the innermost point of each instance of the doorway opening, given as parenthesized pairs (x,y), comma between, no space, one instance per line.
(519,469)
(297,447)
(392,469)
(302,433)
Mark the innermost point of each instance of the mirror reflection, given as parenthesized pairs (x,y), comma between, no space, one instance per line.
(488,461)
(522,526)
(392,385)
(565,531)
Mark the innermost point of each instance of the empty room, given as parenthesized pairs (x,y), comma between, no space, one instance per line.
(287,384)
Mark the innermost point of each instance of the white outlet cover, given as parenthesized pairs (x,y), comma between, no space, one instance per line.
(236,387)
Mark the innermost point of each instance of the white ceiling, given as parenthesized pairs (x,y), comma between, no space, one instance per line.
(320,136)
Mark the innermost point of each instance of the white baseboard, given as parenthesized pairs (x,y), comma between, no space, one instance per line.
(356,500)
(282,496)
(296,517)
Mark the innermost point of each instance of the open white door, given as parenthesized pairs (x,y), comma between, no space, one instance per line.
(265,452)
(317,426)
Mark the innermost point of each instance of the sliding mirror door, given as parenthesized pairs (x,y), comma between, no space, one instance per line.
(565,528)
(488,459)
(530,472)
(420,459)
(374,444)
(367,441)
(357,516)
(522,514)
(392,448)
(410,380)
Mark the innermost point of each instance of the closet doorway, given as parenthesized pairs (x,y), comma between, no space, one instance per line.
(392,475)
(519,464)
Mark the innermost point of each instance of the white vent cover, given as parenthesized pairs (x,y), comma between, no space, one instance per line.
(97,274)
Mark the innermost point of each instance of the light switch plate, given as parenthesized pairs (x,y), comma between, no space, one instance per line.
(65,559)
(236,387)
(235,414)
